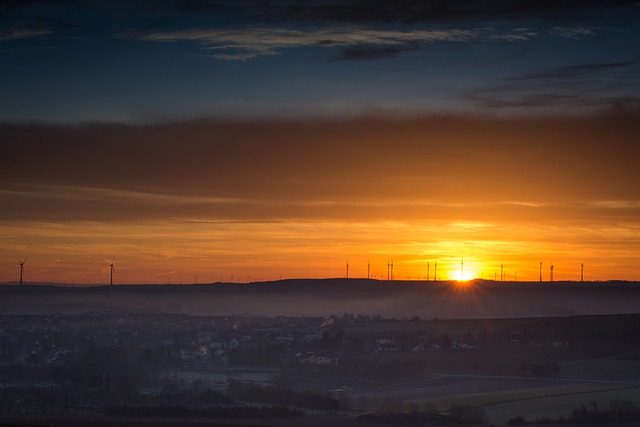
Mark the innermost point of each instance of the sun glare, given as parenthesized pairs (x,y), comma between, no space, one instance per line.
(463,276)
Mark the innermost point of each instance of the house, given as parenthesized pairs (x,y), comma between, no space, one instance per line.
(314,359)
(384,345)
(216,345)
(418,347)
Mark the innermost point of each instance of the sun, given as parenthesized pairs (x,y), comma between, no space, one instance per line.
(463,276)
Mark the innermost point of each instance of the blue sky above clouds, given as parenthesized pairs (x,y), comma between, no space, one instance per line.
(144,60)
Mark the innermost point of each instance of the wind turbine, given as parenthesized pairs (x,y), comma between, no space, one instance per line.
(540,272)
(21,269)
(112,270)
(582,271)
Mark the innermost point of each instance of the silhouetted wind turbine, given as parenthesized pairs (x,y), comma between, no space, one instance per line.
(21,269)
(582,271)
(112,267)
(540,272)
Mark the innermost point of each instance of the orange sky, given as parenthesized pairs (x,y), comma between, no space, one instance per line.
(260,200)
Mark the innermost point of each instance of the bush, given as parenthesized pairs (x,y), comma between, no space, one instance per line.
(468,414)
(517,421)
(616,410)
(249,392)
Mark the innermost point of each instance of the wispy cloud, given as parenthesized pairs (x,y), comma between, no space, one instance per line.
(513,35)
(78,193)
(358,41)
(526,101)
(573,32)
(23,32)
(250,42)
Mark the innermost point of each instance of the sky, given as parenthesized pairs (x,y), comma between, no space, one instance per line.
(202,141)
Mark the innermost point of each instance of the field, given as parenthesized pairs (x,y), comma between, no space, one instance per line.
(599,364)
(503,398)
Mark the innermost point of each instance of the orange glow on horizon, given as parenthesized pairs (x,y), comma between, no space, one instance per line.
(276,199)
(182,252)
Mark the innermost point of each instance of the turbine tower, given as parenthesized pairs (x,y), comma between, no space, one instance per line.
(502,272)
(112,269)
(540,272)
(461,268)
(368,270)
(435,271)
(347,276)
(582,271)
(551,273)
(21,269)
(428,264)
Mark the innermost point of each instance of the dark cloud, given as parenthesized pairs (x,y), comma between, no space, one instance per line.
(594,86)
(203,5)
(624,105)
(413,11)
(336,11)
(573,71)
(360,168)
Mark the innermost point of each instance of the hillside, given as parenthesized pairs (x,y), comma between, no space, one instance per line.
(316,297)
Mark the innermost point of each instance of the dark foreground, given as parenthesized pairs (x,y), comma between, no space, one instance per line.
(133,368)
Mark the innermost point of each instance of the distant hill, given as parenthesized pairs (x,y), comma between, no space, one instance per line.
(322,297)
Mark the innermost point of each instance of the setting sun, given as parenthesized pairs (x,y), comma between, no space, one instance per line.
(463,276)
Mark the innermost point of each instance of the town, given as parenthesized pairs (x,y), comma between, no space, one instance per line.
(114,362)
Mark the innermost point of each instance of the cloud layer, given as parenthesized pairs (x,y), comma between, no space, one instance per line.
(358,169)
